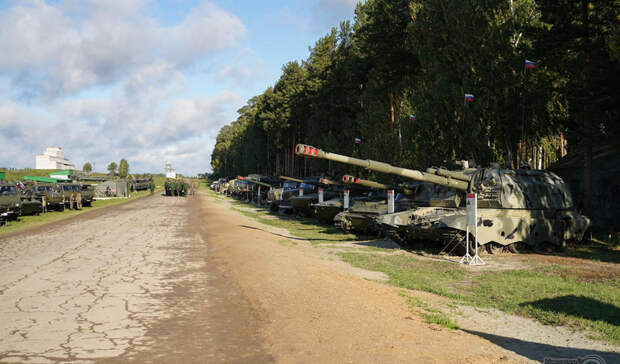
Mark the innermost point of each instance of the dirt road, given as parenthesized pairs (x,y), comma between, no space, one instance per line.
(129,283)
(189,280)
(316,311)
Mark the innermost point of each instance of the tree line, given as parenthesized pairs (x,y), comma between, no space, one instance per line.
(425,82)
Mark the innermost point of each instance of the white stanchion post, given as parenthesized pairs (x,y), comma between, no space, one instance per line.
(345,203)
(390,201)
(301,191)
(320,194)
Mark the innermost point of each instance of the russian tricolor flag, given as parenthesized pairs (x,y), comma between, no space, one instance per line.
(357,141)
(412,117)
(530,64)
(469,97)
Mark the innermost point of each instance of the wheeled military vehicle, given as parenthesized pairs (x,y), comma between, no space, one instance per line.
(50,194)
(516,208)
(10,201)
(72,195)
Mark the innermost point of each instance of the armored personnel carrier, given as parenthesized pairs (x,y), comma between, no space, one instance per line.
(517,209)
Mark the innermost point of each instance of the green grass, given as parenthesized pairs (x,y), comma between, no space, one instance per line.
(53,216)
(428,312)
(542,293)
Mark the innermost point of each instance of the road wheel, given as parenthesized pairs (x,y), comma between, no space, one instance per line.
(494,248)
(518,248)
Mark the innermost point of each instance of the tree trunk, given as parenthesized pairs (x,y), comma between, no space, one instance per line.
(587,172)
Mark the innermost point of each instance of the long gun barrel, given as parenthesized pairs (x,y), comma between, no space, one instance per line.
(291,179)
(452,174)
(329,182)
(312,152)
(258,182)
(364,182)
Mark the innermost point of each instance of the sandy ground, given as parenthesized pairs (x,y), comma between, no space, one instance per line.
(189,280)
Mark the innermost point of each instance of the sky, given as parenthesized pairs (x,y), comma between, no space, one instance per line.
(146,80)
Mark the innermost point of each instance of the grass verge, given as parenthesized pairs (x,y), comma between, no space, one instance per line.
(25,222)
(543,292)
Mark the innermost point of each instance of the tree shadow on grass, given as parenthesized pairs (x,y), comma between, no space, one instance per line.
(539,351)
(579,306)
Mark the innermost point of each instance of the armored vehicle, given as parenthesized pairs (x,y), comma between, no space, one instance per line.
(141,184)
(516,208)
(303,205)
(279,196)
(330,208)
(10,201)
(88,194)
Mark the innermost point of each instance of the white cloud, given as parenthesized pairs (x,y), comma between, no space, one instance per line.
(53,51)
(105,82)
(244,71)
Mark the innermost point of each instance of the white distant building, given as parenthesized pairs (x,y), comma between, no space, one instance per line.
(53,158)
(170,172)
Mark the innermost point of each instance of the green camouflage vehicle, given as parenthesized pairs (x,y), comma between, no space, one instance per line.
(10,201)
(51,193)
(303,205)
(517,209)
(72,195)
(326,211)
(88,194)
(360,217)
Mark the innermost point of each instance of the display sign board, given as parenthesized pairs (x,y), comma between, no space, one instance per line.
(472,207)
(390,201)
(345,203)
(320,195)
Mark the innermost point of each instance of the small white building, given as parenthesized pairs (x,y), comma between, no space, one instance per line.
(170,172)
(53,158)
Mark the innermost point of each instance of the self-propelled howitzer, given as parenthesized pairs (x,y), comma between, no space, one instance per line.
(515,207)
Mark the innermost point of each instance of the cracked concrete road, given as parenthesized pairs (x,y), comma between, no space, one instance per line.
(128,283)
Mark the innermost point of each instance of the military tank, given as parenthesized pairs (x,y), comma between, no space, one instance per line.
(362,212)
(278,197)
(517,209)
(302,203)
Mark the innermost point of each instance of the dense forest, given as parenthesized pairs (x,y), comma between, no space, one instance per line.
(541,79)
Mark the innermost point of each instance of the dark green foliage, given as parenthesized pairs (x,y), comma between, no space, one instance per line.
(402,58)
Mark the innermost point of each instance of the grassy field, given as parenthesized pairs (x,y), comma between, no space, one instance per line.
(577,289)
(53,216)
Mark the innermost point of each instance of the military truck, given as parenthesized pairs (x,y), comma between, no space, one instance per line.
(517,209)
(72,195)
(10,202)
(50,194)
